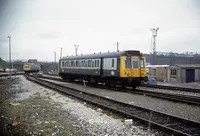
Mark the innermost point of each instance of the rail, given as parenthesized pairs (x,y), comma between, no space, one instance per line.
(12,74)
(173,88)
(193,100)
(165,122)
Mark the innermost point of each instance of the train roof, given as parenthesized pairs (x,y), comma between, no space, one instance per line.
(104,55)
(30,63)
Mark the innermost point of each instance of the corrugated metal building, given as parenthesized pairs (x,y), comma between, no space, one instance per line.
(183,73)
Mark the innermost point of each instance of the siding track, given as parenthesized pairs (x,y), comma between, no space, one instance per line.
(196,90)
(162,121)
(188,99)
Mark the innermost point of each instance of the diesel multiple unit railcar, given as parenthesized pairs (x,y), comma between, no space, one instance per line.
(32,67)
(124,68)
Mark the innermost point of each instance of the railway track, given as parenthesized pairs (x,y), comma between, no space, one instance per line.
(163,87)
(172,97)
(158,120)
(12,74)
(196,90)
(193,100)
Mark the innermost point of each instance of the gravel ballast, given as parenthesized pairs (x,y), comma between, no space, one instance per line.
(178,109)
(53,113)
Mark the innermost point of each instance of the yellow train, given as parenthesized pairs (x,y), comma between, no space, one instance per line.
(124,68)
(31,67)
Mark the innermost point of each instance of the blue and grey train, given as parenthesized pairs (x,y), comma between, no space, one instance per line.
(124,68)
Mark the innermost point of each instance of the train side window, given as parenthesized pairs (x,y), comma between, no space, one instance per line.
(79,63)
(118,62)
(92,63)
(62,63)
(85,63)
(72,63)
(142,63)
(135,62)
(97,63)
(128,63)
(82,63)
(66,63)
(89,63)
(76,64)
(113,63)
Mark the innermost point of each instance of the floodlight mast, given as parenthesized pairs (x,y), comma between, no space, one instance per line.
(76,49)
(154,34)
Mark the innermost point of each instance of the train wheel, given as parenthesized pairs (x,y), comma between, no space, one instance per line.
(123,86)
(133,87)
(92,81)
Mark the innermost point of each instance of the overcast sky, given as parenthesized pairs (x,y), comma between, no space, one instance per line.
(40,27)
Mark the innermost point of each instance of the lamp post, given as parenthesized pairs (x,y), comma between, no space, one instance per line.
(117,46)
(60,52)
(55,56)
(9,37)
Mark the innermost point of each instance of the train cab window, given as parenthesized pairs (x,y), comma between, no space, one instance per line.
(141,62)
(135,62)
(113,63)
(128,63)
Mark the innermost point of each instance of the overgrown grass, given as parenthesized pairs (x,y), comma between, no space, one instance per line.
(38,117)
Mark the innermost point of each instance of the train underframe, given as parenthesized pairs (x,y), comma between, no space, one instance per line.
(108,81)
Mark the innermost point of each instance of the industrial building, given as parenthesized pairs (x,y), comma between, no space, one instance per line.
(158,71)
(172,58)
(177,73)
(183,73)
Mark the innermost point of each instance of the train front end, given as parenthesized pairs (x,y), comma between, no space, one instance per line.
(27,68)
(133,69)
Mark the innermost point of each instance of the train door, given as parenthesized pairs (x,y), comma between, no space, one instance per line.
(135,67)
(101,67)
